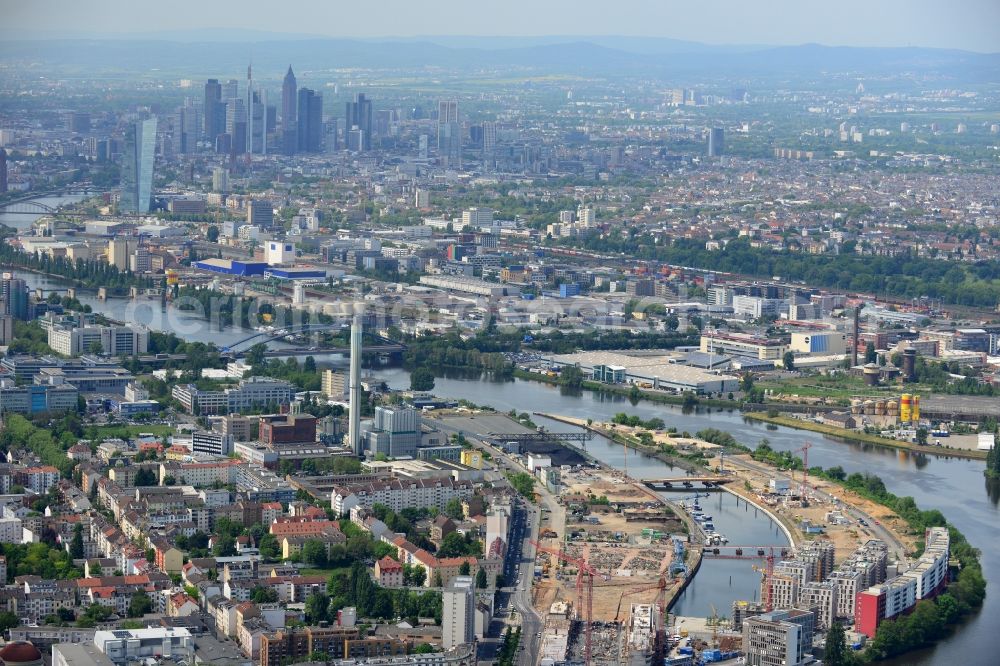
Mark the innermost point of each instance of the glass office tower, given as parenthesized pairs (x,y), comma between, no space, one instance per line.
(137,166)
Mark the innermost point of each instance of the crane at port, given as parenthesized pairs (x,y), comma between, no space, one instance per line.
(585,574)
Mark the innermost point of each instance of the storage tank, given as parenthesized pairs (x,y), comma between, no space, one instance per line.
(880,407)
(892,408)
(856,406)
(871,374)
(915,409)
(905,402)
(870,407)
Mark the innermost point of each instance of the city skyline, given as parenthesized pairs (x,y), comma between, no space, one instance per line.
(967,25)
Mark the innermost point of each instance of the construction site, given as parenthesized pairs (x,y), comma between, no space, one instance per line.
(624,548)
(603,583)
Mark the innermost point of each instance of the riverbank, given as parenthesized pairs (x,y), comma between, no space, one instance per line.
(626,441)
(864,438)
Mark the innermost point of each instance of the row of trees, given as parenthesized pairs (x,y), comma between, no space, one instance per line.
(931,618)
(906,276)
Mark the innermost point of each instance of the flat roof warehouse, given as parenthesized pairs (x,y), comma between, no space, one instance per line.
(658,370)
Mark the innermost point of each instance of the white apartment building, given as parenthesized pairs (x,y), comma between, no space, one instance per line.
(113,340)
(458,617)
(399,494)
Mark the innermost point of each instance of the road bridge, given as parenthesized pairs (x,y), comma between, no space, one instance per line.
(686,482)
(383,344)
(528,437)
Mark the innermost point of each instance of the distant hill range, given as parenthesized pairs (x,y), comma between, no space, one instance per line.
(209,52)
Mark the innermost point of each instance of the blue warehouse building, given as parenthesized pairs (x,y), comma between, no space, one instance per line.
(232,267)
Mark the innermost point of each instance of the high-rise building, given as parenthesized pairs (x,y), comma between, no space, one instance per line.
(189,126)
(289,107)
(289,99)
(359,115)
(449,133)
(13,296)
(716,142)
(395,432)
(489,140)
(458,625)
(213,109)
(230,89)
(354,424)
(137,166)
(236,125)
(310,121)
(3,170)
(257,123)
(260,213)
(220,180)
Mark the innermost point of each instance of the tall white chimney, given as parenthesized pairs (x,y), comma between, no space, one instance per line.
(354,429)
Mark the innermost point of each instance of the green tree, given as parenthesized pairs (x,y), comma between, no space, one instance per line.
(145,477)
(76,544)
(871,356)
(788,360)
(314,552)
(8,620)
(317,608)
(264,595)
(922,436)
(421,379)
(837,652)
(139,605)
(453,509)
(571,376)
(270,549)
(481,580)
(95,347)
(212,233)
(255,355)
(465,569)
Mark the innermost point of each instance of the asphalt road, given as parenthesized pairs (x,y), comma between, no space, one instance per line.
(876,529)
(520,565)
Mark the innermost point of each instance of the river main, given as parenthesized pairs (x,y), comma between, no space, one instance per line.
(956,487)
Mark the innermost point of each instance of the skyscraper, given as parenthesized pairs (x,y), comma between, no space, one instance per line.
(716,142)
(213,110)
(289,105)
(310,121)
(489,140)
(138,153)
(3,170)
(359,115)
(354,424)
(236,125)
(289,89)
(449,133)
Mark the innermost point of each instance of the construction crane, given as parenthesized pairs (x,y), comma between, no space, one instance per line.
(584,591)
(768,576)
(715,627)
(805,470)
(659,619)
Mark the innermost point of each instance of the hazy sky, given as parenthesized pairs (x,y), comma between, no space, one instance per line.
(966,24)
